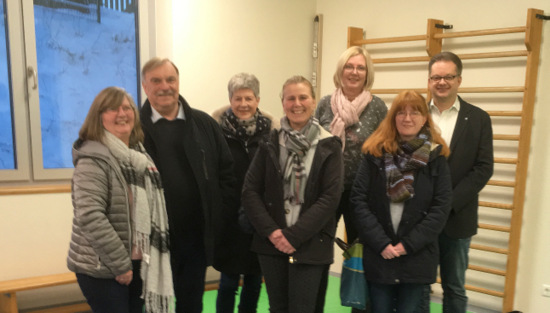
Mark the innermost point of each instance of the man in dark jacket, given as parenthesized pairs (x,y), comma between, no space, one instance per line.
(196,169)
(467,130)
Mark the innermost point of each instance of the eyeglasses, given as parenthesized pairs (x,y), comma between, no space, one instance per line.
(412,114)
(359,69)
(447,78)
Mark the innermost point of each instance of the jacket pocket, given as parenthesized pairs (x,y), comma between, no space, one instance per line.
(204,165)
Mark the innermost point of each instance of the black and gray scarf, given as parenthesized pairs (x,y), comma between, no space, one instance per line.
(400,167)
(244,129)
(298,143)
(150,229)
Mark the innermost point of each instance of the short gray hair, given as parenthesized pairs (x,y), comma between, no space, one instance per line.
(243,81)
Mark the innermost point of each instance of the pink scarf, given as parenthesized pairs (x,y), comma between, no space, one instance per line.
(346,113)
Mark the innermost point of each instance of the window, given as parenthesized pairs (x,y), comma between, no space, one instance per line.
(7,159)
(69,51)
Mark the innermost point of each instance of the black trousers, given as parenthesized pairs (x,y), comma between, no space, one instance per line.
(188,272)
(291,288)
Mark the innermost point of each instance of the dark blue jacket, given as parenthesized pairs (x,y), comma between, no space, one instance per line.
(263,199)
(424,217)
(471,164)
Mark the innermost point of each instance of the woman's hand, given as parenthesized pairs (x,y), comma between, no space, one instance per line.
(399,248)
(280,242)
(389,252)
(125,279)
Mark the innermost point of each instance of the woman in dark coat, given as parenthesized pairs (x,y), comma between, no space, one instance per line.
(401,200)
(243,126)
(290,195)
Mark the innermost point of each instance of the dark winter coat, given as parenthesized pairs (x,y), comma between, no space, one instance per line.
(211,162)
(423,218)
(263,199)
(233,254)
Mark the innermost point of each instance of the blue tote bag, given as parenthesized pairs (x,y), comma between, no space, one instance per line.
(353,285)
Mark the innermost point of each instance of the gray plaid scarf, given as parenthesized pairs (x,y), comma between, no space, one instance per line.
(297,143)
(150,232)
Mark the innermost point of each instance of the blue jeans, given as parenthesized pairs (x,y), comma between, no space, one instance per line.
(400,298)
(107,295)
(229,283)
(453,262)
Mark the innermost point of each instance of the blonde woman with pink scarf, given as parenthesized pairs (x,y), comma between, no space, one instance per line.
(353,114)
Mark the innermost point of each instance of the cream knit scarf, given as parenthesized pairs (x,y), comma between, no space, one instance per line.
(150,232)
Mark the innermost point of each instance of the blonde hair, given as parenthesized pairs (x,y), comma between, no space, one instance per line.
(344,57)
(386,137)
(108,98)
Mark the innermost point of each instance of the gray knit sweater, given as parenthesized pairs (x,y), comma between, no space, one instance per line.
(356,134)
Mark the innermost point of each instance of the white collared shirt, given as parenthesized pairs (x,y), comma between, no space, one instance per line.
(156,116)
(446,120)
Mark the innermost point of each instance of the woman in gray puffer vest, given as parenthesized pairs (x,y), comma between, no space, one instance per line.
(119,242)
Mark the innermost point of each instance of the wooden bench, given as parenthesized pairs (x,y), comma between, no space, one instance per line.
(8,290)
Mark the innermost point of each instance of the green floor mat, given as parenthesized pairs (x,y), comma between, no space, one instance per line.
(332,302)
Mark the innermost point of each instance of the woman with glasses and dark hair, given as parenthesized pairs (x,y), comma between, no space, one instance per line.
(401,199)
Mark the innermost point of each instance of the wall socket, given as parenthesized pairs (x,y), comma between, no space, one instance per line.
(546,290)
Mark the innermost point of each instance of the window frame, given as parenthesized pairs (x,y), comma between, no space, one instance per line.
(25,99)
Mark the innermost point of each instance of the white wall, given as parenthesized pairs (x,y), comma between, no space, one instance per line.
(392,18)
(213,40)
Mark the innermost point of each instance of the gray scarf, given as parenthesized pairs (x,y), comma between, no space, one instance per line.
(150,230)
(297,143)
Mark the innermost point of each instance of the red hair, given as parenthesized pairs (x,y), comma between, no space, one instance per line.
(386,136)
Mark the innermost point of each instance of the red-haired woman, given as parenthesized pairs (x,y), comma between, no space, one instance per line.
(401,198)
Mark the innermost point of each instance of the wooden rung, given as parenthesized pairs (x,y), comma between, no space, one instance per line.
(389,91)
(488,249)
(395,91)
(505,229)
(479,289)
(489,55)
(491,89)
(482,32)
(506,160)
(501,183)
(496,205)
(70,308)
(486,291)
(504,113)
(389,40)
(486,270)
(401,60)
(506,137)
